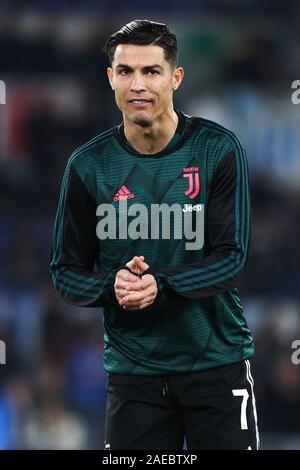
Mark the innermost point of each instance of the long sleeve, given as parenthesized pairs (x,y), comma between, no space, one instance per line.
(227,234)
(75,247)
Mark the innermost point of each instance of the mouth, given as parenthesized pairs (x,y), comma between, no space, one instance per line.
(139,102)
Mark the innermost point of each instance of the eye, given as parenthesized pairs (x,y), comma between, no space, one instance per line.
(124,72)
(152,72)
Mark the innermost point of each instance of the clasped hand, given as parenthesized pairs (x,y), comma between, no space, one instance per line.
(134,292)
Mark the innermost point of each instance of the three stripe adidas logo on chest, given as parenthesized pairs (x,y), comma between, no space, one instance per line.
(123,193)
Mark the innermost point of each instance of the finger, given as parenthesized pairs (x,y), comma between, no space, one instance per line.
(120,293)
(133,264)
(141,284)
(129,302)
(120,290)
(133,298)
(137,286)
(120,284)
(137,297)
(139,259)
(137,263)
(142,266)
(126,276)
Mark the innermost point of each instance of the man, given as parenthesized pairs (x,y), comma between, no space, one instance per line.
(161,204)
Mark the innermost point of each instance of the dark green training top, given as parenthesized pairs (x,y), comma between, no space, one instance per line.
(187,210)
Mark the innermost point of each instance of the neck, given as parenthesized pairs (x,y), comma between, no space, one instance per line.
(153,138)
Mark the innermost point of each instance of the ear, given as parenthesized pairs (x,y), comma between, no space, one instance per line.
(110,75)
(177,77)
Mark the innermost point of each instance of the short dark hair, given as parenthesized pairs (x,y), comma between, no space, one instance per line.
(144,33)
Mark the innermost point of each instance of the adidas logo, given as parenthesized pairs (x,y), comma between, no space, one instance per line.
(123,193)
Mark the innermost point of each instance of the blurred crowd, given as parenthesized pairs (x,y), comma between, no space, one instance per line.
(52,387)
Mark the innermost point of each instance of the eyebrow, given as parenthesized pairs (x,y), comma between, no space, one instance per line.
(124,66)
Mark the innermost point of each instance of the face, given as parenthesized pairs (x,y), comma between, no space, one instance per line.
(143,82)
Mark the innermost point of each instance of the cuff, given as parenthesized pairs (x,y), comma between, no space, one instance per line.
(132,272)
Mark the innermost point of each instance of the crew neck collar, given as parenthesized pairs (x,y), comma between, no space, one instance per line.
(170,147)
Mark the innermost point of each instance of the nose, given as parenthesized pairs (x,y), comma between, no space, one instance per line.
(138,84)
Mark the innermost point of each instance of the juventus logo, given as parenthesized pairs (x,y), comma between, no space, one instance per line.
(192,174)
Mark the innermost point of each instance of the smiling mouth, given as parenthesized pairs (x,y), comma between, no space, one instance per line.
(140,101)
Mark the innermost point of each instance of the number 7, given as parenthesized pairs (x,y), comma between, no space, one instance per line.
(242,392)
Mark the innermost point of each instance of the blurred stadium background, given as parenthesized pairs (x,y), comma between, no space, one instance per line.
(241,58)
